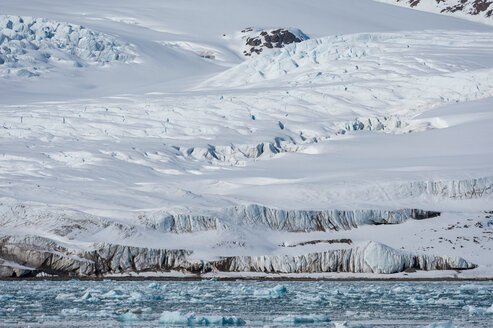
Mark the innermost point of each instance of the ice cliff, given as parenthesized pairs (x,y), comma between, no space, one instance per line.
(258,216)
(370,257)
(44,255)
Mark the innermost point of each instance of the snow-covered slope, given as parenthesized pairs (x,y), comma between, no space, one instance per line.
(145,140)
(476,10)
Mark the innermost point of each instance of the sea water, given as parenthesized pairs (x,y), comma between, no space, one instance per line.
(245,303)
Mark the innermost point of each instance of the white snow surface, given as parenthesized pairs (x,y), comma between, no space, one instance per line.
(474,10)
(383,108)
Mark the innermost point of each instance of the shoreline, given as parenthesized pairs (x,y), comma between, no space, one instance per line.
(253,278)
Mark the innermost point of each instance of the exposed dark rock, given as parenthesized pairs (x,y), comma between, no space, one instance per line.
(320,241)
(270,39)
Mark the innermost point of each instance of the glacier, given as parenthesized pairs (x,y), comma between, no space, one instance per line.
(142,141)
(32,46)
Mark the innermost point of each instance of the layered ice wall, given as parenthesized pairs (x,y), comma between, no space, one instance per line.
(263,217)
(370,257)
(44,255)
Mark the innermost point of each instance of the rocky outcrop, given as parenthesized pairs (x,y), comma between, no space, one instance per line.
(371,257)
(44,255)
(256,40)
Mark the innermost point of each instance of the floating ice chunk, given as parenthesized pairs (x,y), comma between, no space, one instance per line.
(399,290)
(340,324)
(220,320)
(196,300)
(448,301)
(129,316)
(473,309)
(73,311)
(136,296)
(311,299)
(88,297)
(98,314)
(63,296)
(113,294)
(154,285)
(300,319)
(470,287)
(6,297)
(447,324)
(478,310)
(276,291)
(177,318)
(189,319)
(153,297)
